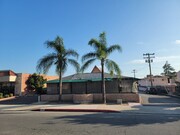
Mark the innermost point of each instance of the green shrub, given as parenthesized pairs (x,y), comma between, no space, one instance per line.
(6,96)
(11,95)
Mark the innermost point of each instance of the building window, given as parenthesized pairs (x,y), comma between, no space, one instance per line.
(168,80)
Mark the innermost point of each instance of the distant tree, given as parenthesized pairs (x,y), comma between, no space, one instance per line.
(168,70)
(35,82)
(60,58)
(101,52)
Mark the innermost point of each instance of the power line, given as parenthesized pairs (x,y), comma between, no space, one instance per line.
(149,59)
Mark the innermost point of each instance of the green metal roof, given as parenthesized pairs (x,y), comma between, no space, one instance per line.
(79,80)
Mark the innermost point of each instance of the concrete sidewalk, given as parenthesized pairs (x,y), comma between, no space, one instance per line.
(115,108)
(85,108)
(42,106)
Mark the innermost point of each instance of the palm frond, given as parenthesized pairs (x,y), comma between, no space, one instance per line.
(75,64)
(63,68)
(89,56)
(57,70)
(57,45)
(59,41)
(113,48)
(102,39)
(71,52)
(46,62)
(112,66)
(50,44)
(86,64)
(94,43)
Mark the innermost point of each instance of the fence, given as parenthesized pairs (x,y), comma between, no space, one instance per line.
(90,87)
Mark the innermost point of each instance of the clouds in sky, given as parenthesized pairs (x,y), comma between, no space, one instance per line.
(140,43)
(158,59)
(177,42)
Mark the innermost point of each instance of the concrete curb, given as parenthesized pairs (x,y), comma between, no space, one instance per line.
(174,96)
(4,99)
(77,110)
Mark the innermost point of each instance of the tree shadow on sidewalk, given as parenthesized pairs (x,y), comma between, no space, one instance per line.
(128,118)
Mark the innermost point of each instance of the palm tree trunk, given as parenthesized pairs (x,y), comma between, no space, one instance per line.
(60,85)
(103,81)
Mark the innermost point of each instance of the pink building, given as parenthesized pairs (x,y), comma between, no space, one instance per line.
(17,81)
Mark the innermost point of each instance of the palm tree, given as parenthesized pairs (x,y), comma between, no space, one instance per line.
(59,58)
(101,53)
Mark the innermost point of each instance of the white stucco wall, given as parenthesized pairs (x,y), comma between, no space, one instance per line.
(178,76)
(157,81)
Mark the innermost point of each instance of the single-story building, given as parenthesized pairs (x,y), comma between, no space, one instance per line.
(86,87)
(161,82)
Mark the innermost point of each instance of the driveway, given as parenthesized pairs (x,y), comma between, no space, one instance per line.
(20,100)
(159,100)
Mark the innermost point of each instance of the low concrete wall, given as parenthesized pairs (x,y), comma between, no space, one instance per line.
(67,97)
(83,98)
(93,98)
(126,97)
(49,97)
(97,98)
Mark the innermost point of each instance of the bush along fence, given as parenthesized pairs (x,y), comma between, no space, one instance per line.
(6,95)
(6,91)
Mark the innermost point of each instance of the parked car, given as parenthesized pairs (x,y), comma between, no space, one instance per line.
(142,88)
(162,90)
(151,90)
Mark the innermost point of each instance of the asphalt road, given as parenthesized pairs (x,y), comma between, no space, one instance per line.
(55,123)
(159,116)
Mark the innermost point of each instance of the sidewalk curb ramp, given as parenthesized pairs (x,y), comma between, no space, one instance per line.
(77,110)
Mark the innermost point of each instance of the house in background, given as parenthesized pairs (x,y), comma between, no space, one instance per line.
(178,76)
(86,87)
(15,83)
(158,81)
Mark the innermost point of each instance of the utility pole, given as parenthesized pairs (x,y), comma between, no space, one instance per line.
(134,72)
(149,59)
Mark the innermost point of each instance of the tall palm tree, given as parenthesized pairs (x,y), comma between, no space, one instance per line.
(101,53)
(59,58)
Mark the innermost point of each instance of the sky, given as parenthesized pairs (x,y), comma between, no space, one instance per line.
(139,26)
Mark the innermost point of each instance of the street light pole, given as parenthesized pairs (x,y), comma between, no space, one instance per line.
(149,60)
